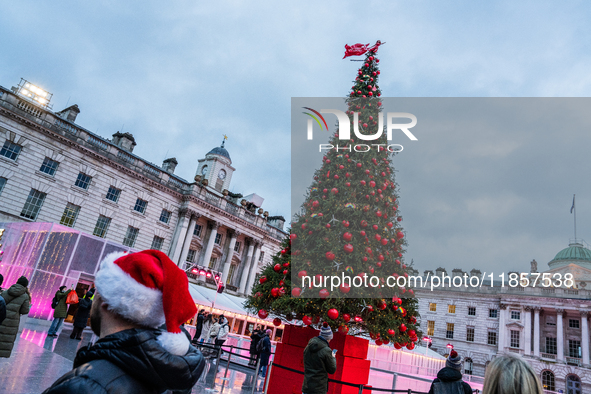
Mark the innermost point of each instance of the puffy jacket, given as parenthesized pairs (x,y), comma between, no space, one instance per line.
(223,332)
(18,303)
(318,363)
(61,310)
(2,309)
(449,380)
(130,362)
(214,330)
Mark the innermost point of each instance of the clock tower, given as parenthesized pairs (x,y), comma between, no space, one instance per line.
(217,168)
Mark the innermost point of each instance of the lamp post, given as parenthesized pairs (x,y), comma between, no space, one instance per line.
(427,340)
(450,347)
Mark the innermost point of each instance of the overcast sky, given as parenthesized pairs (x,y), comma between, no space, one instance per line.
(178,75)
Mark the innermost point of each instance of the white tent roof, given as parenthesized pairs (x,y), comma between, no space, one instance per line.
(206,296)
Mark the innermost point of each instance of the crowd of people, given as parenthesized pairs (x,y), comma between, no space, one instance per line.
(137,313)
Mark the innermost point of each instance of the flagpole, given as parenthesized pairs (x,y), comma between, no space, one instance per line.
(574,205)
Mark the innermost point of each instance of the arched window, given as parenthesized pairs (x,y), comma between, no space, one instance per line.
(468,366)
(548,381)
(573,384)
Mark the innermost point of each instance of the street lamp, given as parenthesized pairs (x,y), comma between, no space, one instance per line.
(428,340)
(450,347)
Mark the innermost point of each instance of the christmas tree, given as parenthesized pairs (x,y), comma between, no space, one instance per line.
(349,228)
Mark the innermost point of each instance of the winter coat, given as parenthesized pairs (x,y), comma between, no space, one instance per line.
(213,331)
(255,338)
(318,363)
(82,313)
(205,331)
(61,310)
(266,352)
(18,303)
(2,309)
(199,326)
(223,332)
(449,380)
(130,362)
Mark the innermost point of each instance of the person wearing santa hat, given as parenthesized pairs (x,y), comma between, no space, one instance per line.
(449,378)
(135,294)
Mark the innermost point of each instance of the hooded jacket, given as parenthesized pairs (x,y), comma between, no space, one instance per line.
(61,310)
(449,380)
(318,363)
(18,303)
(130,362)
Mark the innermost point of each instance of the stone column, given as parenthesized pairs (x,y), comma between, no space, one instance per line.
(246,269)
(254,267)
(559,335)
(214,230)
(228,263)
(537,331)
(527,331)
(188,238)
(179,235)
(502,327)
(585,337)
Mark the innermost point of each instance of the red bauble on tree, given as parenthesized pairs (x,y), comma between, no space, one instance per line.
(332,313)
(263,314)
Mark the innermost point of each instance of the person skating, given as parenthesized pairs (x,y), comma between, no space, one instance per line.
(199,326)
(319,361)
(223,332)
(255,338)
(265,353)
(18,302)
(82,313)
(60,312)
(135,294)
(449,378)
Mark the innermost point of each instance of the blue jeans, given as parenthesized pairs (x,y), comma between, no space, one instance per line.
(263,371)
(55,325)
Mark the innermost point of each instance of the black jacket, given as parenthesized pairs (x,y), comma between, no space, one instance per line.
(2,309)
(130,362)
(449,376)
(255,338)
(82,312)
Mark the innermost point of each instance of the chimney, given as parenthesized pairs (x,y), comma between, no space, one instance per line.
(70,113)
(169,165)
(124,141)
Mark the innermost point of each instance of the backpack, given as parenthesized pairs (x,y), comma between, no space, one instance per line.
(54,302)
(261,345)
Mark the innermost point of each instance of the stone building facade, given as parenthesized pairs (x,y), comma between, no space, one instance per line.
(548,326)
(53,170)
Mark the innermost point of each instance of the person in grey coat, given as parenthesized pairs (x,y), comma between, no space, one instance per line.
(18,302)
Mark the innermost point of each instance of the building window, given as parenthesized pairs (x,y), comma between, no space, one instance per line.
(451,309)
(130,236)
(573,384)
(432,307)
(471,311)
(548,381)
(574,323)
(262,256)
(140,206)
(470,334)
(237,246)
(49,166)
(494,313)
(449,333)
(70,214)
(101,226)
(550,320)
(212,262)
(574,348)
(231,274)
(492,338)
(157,243)
(33,204)
(2,183)
(514,339)
(113,194)
(10,150)
(165,216)
(218,238)
(83,181)
(515,315)
(468,366)
(191,255)
(430,328)
(197,231)
(550,345)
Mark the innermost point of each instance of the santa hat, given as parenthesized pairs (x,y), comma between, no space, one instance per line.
(147,288)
